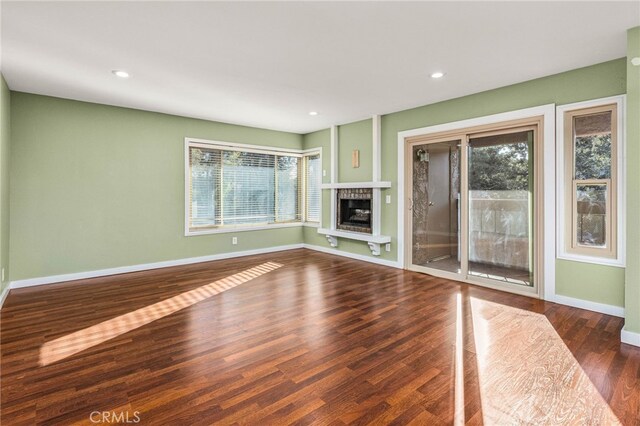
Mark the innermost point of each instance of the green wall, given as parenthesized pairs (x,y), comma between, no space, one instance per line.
(632,286)
(590,282)
(95,187)
(597,81)
(353,136)
(5,134)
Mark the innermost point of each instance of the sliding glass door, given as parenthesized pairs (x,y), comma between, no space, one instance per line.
(471,206)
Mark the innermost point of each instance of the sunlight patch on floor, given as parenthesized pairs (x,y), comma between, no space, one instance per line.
(80,340)
(527,374)
(458,418)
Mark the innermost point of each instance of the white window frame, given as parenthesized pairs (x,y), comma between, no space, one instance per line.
(310,153)
(546,286)
(232,146)
(563,248)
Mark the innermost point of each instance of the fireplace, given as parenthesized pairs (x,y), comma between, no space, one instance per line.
(354,212)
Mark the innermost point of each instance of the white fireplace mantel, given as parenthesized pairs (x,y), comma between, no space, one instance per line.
(349,185)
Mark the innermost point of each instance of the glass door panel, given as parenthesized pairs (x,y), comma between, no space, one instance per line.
(500,194)
(435,211)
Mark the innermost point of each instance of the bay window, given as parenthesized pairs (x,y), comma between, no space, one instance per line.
(234,187)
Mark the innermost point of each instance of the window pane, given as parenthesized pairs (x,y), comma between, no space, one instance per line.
(287,188)
(500,163)
(591,214)
(248,195)
(593,146)
(500,207)
(313,188)
(205,176)
(435,211)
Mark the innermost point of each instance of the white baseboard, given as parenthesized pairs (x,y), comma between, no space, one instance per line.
(165,264)
(602,308)
(146,266)
(629,337)
(4,294)
(354,256)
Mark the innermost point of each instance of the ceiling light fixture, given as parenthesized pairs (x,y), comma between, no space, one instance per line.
(636,61)
(120,73)
(313,113)
(437,75)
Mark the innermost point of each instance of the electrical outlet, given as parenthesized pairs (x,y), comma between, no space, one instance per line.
(2,278)
(387,199)
(324,172)
(234,240)
(387,246)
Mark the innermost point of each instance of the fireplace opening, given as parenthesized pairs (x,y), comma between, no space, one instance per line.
(354,210)
(356,213)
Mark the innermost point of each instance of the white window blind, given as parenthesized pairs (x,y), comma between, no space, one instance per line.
(248,195)
(235,187)
(313,192)
(290,189)
(204,188)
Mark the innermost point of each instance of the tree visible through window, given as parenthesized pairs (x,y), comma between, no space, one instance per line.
(500,167)
(591,147)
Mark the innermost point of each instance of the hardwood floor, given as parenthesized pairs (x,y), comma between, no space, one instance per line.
(307,338)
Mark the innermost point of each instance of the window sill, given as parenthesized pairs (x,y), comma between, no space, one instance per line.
(232,229)
(617,263)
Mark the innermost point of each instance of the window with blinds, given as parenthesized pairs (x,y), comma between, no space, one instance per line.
(313,178)
(236,187)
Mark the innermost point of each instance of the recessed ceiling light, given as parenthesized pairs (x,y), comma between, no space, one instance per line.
(313,113)
(437,75)
(120,73)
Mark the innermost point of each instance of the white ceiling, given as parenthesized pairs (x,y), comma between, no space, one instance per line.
(269,64)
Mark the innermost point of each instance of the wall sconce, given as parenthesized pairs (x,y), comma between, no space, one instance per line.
(355,158)
(423,156)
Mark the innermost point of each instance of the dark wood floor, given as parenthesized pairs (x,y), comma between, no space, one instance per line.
(309,338)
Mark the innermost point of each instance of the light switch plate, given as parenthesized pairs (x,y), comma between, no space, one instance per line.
(234,240)
(387,199)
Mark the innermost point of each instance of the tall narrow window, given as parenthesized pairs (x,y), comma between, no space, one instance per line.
(591,146)
(313,192)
